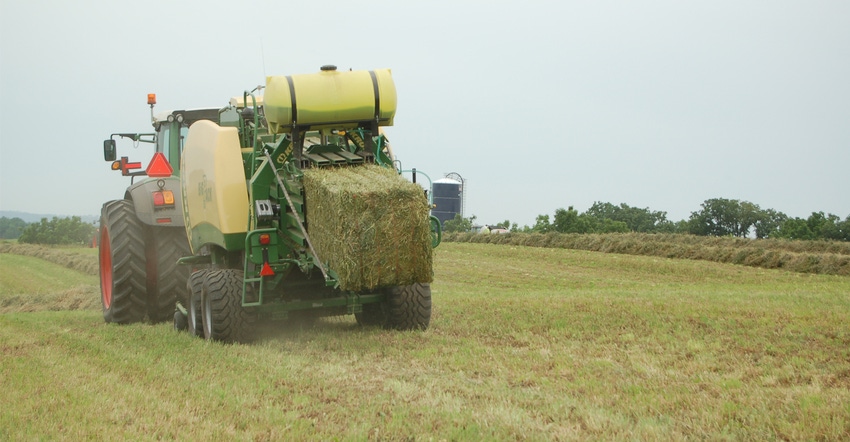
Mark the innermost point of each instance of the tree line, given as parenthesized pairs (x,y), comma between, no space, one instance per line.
(55,231)
(716,217)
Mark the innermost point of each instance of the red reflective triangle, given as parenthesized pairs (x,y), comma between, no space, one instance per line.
(266,270)
(159,167)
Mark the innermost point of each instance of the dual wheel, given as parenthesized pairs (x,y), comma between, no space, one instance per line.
(214,310)
(139,274)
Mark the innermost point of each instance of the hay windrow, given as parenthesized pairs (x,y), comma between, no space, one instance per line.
(370,225)
(822,257)
(68,258)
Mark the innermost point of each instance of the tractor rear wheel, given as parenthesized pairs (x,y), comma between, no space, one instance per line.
(122,263)
(223,317)
(195,287)
(409,307)
(166,280)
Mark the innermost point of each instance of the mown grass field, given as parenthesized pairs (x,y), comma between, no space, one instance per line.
(525,343)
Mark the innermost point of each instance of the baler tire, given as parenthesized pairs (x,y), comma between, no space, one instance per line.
(409,307)
(121,256)
(166,279)
(371,315)
(181,323)
(195,287)
(224,318)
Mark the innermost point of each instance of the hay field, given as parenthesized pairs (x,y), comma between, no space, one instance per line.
(822,257)
(525,343)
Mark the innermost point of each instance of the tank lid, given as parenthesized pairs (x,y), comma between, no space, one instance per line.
(328,67)
(446,181)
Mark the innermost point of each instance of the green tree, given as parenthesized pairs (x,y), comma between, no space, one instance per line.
(11,228)
(724,217)
(768,223)
(607,225)
(566,221)
(823,226)
(843,229)
(459,224)
(58,231)
(795,228)
(635,218)
(541,224)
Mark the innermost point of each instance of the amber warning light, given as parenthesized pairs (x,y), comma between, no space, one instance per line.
(151,99)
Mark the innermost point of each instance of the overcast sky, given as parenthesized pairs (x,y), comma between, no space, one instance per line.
(538,105)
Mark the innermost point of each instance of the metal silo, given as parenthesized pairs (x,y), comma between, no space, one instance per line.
(448,198)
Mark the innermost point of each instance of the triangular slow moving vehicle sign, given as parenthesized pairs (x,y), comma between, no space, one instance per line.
(159,167)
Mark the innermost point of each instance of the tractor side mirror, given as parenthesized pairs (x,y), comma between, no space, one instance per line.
(109,150)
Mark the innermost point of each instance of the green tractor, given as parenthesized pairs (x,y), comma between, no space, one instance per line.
(142,235)
(293,205)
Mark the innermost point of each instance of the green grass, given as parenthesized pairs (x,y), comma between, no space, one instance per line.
(525,343)
(81,259)
(29,284)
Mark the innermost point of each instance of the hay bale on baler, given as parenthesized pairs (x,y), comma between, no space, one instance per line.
(369,225)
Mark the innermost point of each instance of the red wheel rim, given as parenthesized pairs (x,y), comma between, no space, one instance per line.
(105,268)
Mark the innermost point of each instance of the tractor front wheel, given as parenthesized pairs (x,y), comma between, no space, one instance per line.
(122,263)
(224,319)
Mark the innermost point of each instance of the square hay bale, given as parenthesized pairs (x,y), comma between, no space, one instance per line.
(370,225)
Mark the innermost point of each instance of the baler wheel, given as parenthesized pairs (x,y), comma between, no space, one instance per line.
(409,307)
(166,278)
(372,315)
(195,287)
(122,263)
(180,321)
(224,318)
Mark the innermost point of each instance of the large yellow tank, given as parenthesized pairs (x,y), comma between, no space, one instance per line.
(330,98)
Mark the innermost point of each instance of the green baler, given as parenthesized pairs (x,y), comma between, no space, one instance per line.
(294,205)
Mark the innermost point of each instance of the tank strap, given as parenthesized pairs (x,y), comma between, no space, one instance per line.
(292,97)
(377,94)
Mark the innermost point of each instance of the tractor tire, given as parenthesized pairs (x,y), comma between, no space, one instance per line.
(372,315)
(409,307)
(122,263)
(166,280)
(223,317)
(195,287)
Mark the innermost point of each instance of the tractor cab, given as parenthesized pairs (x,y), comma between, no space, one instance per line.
(170,129)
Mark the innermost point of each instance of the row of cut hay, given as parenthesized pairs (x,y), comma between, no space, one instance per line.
(67,258)
(828,258)
(369,225)
(76,298)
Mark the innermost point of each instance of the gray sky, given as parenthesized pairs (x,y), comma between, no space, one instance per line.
(538,105)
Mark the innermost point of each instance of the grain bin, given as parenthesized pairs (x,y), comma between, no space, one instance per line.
(448,199)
